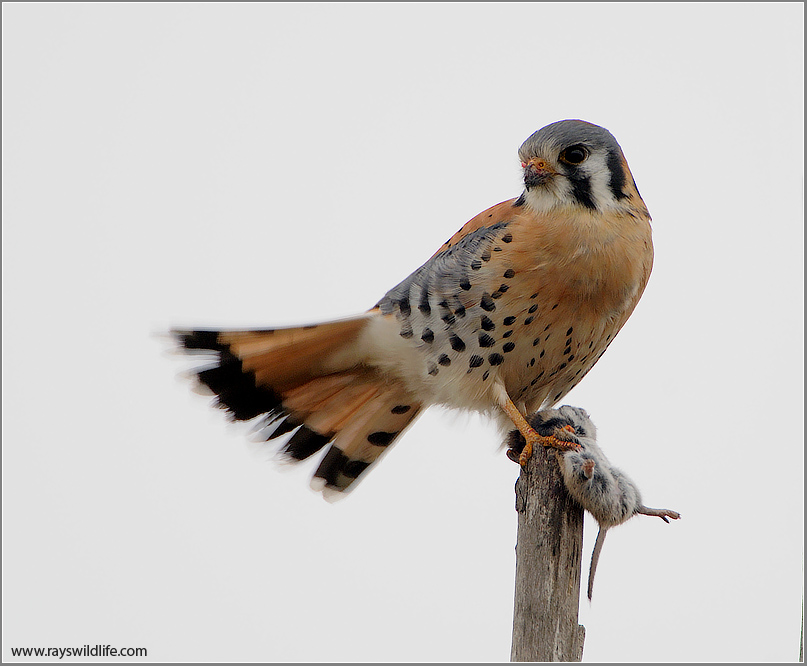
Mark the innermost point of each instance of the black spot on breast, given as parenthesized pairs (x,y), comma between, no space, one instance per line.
(486,341)
(509,273)
(465,284)
(460,311)
(495,359)
(456,342)
(536,342)
(444,360)
(543,351)
(569,332)
(381,438)
(487,324)
(567,350)
(424,306)
(404,307)
(433,370)
(507,333)
(476,361)
(487,303)
(508,347)
(401,409)
(533,296)
(406,331)
(509,321)
(561,366)
(486,375)
(556,305)
(503,288)
(533,308)
(497,249)
(532,362)
(476,265)
(485,256)
(528,320)
(571,357)
(428,335)
(507,238)
(496,294)
(448,319)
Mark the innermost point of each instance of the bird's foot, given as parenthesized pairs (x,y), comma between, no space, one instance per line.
(563,439)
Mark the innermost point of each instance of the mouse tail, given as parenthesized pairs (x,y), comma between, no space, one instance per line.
(595,558)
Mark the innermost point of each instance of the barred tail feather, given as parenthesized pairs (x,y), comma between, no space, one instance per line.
(364,439)
(311,382)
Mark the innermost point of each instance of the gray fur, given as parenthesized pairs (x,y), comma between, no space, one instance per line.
(604,491)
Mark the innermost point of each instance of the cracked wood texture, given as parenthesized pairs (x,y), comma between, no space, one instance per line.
(548,563)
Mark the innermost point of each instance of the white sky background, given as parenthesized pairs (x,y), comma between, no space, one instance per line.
(261,165)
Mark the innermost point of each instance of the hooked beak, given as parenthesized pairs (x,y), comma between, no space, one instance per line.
(537,172)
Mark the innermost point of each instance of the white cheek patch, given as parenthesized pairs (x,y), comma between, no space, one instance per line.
(599,178)
(558,193)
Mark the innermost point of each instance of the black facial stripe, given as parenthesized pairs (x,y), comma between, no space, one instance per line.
(581,190)
(617,175)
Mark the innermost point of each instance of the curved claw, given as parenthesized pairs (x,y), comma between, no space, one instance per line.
(565,439)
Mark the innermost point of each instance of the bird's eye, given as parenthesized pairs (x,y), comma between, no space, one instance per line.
(574,155)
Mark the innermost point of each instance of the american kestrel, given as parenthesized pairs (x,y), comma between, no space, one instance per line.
(606,492)
(504,319)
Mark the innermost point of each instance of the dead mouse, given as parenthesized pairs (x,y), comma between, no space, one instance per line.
(604,491)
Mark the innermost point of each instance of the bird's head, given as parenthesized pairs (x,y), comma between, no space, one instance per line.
(574,164)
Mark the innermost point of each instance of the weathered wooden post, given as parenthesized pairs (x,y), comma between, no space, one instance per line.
(548,563)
